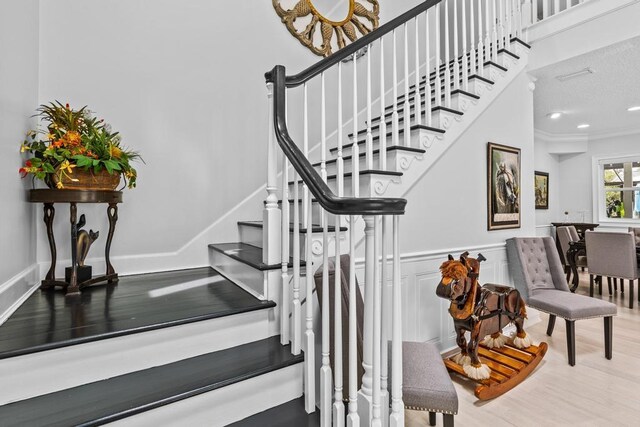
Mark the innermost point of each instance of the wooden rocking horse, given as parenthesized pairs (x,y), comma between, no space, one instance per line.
(483,311)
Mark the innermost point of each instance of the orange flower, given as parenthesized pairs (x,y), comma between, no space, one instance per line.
(72,138)
(58,143)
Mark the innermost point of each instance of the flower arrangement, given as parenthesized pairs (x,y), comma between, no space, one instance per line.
(74,139)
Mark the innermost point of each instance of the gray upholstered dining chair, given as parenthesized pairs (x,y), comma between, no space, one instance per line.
(613,255)
(537,273)
(636,234)
(567,234)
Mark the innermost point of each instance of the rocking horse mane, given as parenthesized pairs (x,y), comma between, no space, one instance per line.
(453,269)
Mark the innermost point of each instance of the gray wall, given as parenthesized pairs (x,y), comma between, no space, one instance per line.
(18,100)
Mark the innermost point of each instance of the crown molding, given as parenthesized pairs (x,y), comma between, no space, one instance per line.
(560,137)
(614,134)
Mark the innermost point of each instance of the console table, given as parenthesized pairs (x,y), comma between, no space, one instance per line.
(73,197)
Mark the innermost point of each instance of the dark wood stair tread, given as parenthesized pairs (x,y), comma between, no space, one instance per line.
(115,398)
(48,320)
(288,414)
(375,152)
(247,254)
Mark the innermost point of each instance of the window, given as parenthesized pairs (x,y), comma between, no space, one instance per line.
(617,189)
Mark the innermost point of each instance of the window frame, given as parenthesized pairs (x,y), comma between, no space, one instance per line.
(599,191)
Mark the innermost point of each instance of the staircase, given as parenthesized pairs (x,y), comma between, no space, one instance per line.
(426,77)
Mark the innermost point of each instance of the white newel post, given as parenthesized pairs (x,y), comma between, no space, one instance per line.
(377,323)
(353,419)
(271,215)
(365,396)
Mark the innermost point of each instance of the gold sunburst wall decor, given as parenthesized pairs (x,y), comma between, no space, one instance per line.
(323,35)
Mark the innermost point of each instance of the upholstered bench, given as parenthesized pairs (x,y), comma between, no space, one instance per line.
(426,384)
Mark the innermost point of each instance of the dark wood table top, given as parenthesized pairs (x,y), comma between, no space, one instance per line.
(46,195)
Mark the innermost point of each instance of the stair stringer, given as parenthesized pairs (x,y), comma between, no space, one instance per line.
(437,146)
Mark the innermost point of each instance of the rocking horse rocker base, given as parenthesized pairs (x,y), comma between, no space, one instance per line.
(509,367)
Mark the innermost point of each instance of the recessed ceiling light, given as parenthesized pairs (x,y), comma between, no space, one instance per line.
(635,108)
(554,116)
(583,126)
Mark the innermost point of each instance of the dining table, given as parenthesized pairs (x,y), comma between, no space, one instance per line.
(579,248)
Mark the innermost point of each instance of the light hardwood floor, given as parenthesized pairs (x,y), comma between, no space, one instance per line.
(595,392)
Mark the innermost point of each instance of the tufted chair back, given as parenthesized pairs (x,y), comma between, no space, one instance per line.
(573,233)
(535,265)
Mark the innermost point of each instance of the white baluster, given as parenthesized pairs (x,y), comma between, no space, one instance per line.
(355,149)
(338,406)
(465,57)
(325,370)
(481,47)
(501,28)
(427,90)
(456,48)
(534,11)
(305,138)
(271,215)
(472,40)
(340,160)
(296,319)
(545,9)
(447,65)
(438,82)
(323,129)
(386,322)
(417,101)
(519,18)
(556,7)
(494,32)
(365,397)
(406,113)
(285,336)
(487,40)
(395,118)
(397,407)
(309,357)
(382,124)
(353,418)
(508,22)
(377,322)
(369,141)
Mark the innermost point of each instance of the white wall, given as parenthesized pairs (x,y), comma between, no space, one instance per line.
(448,207)
(184,83)
(576,192)
(18,99)
(545,162)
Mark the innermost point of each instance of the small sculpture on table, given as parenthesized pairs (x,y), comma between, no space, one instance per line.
(484,311)
(84,241)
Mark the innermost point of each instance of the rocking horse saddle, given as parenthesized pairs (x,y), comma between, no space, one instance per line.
(494,297)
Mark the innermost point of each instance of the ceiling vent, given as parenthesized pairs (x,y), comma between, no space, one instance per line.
(584,72)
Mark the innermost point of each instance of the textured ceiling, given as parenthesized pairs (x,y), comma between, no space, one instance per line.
(600,99)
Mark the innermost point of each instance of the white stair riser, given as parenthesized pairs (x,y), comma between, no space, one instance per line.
(45,372)
(250,235)
(225,405)
(418,140)
(395,161)
(248,278)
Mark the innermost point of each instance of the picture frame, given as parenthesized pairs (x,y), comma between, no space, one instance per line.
(503,187)
(541,188)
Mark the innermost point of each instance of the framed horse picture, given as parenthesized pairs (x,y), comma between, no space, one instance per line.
(541,186)
(503,187)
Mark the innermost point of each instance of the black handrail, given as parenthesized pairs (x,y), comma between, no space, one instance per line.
(345,52)
(321,191)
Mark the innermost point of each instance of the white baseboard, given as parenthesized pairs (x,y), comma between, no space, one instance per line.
(16,290)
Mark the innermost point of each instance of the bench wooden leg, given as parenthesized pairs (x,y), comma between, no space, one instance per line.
(591,285)
(608,337)
(432,418)
(448,420)
(552,324)
(609,283)
(571,341)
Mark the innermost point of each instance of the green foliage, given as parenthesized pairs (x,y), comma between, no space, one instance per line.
(75,138)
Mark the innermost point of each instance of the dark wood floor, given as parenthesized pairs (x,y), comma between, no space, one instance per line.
(138,303)
(286,415)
